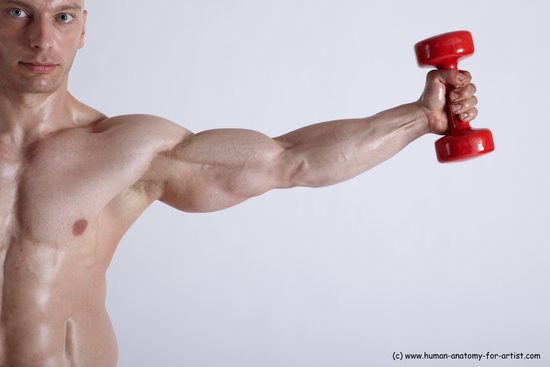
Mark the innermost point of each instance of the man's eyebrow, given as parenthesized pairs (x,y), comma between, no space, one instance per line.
(73,6)
(69,7)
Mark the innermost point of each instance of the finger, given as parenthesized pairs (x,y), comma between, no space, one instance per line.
(468,115)
(463,93)
(465,105)
(467,74)
(452,77)
(457,79)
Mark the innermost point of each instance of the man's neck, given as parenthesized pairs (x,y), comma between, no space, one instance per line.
(25,118)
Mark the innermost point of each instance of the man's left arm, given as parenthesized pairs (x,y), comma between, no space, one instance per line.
(216,169)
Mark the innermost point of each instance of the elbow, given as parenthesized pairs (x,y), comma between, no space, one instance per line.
(296,171)
(297,166)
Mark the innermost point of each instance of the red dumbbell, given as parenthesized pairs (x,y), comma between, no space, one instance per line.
(461,142)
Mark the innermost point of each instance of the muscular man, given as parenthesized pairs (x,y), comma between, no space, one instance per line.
(72,180)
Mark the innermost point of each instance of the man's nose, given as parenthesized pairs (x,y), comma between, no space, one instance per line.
(41,34)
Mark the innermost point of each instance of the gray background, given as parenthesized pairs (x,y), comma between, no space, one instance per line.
(411,257)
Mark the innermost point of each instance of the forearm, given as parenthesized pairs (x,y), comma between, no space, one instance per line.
(330,152)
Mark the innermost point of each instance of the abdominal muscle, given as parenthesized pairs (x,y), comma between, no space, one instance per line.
(82,338)
(53,307)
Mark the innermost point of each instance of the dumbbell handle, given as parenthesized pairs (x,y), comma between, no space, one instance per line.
(455,123)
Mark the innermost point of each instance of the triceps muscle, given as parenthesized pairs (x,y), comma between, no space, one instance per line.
(219,168)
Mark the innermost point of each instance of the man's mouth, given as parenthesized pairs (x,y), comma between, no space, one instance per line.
(38,67)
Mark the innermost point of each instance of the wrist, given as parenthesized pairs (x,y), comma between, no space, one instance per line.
(422,116)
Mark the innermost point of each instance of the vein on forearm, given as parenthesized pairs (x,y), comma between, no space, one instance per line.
(328,153)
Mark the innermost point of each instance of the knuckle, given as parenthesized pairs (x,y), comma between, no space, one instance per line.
(470,103)
(472,114)
(433,74)
(467,73)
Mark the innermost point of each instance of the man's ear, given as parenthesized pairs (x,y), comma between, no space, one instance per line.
(83,34)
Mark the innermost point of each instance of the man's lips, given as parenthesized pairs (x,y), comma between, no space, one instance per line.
(38,67)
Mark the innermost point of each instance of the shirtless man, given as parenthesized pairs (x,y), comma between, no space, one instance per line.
(72,180)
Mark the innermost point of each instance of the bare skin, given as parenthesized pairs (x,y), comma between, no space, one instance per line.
(72,180)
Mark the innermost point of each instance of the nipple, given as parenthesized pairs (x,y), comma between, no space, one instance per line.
(79,227)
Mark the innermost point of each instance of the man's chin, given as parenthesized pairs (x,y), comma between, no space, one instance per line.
(38,86)
(43,89)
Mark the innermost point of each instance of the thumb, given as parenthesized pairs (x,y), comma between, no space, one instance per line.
(450,77)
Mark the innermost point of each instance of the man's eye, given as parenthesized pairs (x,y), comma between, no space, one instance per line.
(65,18)
(18,13)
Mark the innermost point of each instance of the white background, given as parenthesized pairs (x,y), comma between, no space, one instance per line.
(411,257)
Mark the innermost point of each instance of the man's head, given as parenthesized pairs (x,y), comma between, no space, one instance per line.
(39,40)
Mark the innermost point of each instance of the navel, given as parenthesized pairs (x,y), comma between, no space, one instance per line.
(70,342)
(79,227)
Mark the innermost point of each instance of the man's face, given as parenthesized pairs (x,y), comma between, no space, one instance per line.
(38,43)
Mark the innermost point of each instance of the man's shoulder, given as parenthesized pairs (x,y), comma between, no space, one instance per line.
(140,124)
(139,137)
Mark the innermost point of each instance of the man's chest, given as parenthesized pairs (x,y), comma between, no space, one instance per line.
(53,192)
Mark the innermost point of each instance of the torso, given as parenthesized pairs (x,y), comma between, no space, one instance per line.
(65,203)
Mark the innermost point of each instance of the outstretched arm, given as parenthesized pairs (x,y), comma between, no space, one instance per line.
(331,152)
(216,169)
